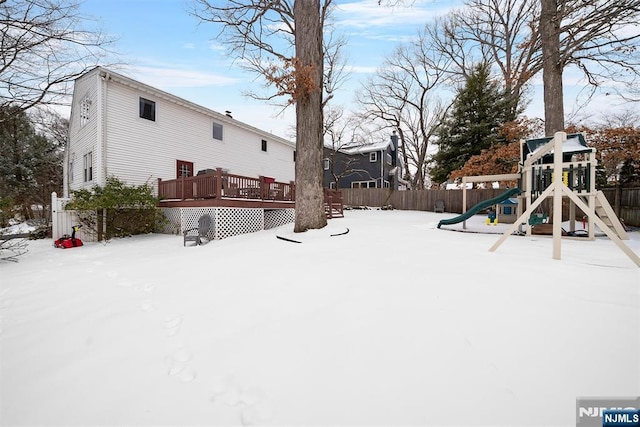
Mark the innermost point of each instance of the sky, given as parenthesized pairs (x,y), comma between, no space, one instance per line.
(162,45)
(415,326)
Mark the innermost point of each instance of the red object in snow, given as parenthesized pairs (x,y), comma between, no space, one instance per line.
(67,241)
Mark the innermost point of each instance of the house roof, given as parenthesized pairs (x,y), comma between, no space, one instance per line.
(127,81)
(357,148)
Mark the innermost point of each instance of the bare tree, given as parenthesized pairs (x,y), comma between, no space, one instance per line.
(44,47)
(599,37)
(401,97)
(498,31)
(282,40)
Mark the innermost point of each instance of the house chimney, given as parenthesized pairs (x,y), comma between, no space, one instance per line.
(394,140)
(394,143)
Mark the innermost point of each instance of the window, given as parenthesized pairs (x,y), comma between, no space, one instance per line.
(264,145)
(332,185)
(373,157)
(217,131)
(294,156)
(363,184)
(387,158)
(84,111)
(325,164)
(148,109)
(71,165)
(88,167)
(184,169)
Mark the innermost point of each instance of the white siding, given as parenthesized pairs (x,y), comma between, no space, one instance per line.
(82,139)
(138,150)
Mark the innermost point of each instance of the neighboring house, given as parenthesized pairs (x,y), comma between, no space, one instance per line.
(124,128)
(375,165)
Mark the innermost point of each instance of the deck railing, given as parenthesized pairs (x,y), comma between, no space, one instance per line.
(218,184)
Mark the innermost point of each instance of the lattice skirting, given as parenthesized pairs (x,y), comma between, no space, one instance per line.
(227,222)
(276,217)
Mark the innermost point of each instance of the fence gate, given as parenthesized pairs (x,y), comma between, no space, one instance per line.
(62,220)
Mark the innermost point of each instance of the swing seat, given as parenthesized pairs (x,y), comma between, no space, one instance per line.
(538,218)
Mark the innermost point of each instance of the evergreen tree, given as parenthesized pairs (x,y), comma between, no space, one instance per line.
(30,166)
(480,108)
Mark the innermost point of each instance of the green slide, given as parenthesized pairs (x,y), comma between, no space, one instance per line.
(480,206)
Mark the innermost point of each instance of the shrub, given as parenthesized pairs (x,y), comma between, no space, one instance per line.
(117,209)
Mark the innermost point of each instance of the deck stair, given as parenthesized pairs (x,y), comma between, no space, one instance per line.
(333,206)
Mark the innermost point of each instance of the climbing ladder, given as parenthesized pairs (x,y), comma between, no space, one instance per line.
(607,215)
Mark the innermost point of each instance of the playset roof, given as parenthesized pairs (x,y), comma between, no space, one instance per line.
(575,143)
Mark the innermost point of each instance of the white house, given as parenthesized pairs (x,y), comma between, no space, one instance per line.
(124,128)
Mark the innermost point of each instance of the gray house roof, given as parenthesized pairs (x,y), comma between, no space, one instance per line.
(356,148)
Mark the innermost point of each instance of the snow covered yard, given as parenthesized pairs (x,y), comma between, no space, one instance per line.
(395,323)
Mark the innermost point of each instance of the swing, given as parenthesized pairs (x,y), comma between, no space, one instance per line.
(538,218)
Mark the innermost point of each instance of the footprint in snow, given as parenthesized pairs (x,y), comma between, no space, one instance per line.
(220,386)
(253,403)
(258,413)
(179,366)
(172,325)
(148,306)
(148,288)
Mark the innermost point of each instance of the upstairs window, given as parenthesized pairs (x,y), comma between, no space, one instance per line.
(84,111)
(217,131)
(373,157)
(147,109)
(264,145)
(325,164)
(387,158)
(294,156)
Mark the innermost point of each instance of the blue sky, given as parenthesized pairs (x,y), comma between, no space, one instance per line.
(162,45)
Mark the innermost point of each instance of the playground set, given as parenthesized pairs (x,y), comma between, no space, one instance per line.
(537,181)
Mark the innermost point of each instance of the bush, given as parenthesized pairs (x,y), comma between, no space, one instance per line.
(116,210)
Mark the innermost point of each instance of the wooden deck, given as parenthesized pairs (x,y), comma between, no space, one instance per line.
(219,189)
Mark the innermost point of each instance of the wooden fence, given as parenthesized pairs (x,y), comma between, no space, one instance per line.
(625,201)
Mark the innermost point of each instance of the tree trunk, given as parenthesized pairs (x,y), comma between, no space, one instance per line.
(308,39)
(551,68)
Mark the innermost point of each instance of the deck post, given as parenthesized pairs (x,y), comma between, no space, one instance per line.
(263,190)
(557,184)
(218,183)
